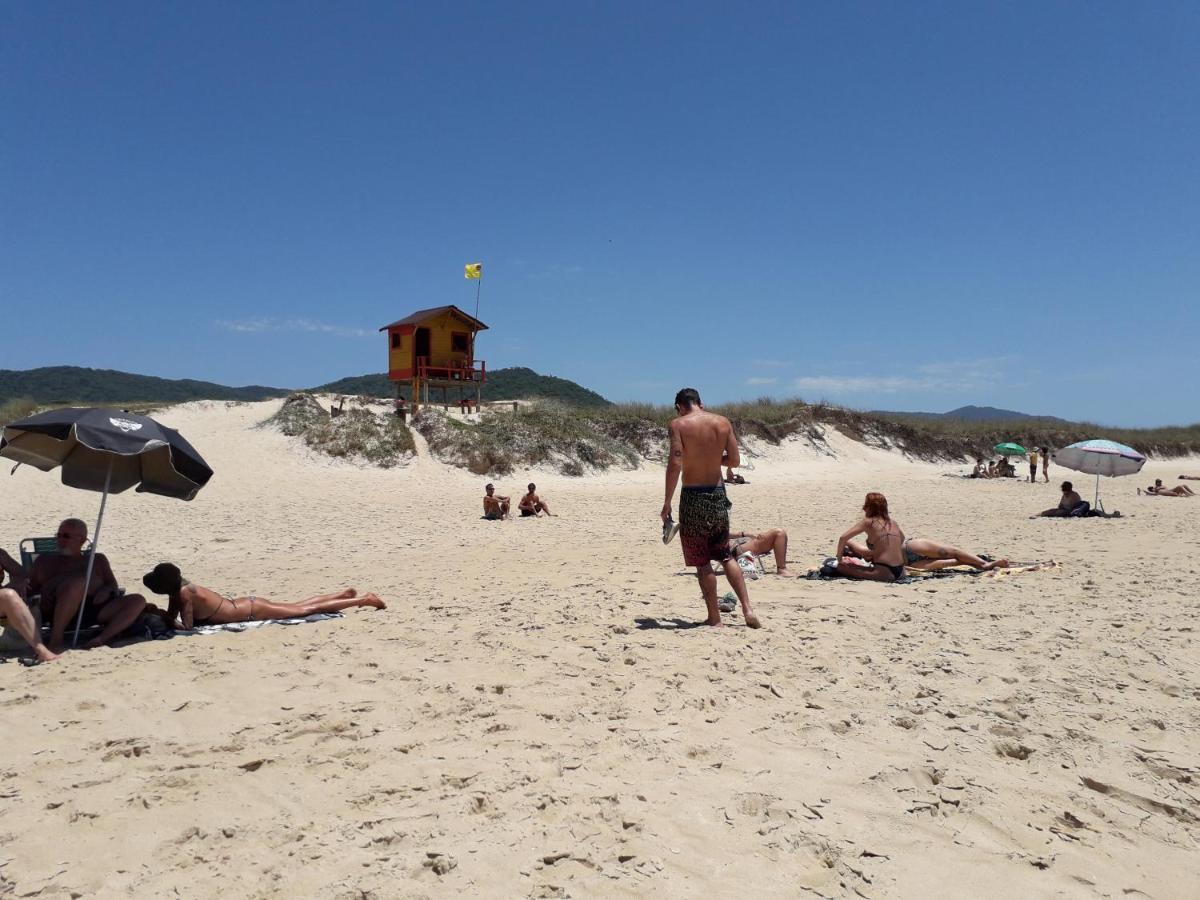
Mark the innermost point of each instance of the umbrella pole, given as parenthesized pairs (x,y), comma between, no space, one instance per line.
(1096,502)
(87,579)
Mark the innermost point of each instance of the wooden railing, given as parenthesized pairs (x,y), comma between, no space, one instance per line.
(453,371)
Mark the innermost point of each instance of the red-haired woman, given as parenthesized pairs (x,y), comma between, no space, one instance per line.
(889,551)
(885,543)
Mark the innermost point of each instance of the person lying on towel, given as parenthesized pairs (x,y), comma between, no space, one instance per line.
(773,539)
(196,605)
(1158,490)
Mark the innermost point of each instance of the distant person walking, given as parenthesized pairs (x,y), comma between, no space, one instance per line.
(1046,464)
(1033,460)
(701,442)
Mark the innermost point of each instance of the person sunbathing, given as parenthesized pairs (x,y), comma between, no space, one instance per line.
(1158,490)
(1189,477)
(930,555)
(494,506)
(15,614)
(1070,504)
(196,605)
(773,539)
(533,505)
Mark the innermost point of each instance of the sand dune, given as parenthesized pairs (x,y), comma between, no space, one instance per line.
(535,715)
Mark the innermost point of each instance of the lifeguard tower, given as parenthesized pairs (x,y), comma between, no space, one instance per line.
(435,348)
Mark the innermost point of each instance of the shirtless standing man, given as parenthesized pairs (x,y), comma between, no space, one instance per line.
(58,578)
(701,442)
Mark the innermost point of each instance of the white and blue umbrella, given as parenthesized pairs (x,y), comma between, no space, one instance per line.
(1107,458)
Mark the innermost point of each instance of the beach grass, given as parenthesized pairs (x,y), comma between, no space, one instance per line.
(624,433)
(359,432)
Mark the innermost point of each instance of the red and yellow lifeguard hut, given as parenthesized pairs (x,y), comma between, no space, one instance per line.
(435,348)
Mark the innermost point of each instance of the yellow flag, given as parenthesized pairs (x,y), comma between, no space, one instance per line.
(473,270)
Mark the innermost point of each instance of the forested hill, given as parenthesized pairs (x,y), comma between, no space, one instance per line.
(76,384)
(502,384)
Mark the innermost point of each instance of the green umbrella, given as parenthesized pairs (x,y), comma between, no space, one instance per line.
(1009,449)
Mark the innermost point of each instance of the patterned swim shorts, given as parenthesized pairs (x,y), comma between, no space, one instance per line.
(704,524)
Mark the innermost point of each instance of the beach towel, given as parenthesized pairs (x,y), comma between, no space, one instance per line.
(247,626)
(828,570)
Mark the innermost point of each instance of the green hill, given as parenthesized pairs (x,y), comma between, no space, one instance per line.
(974,414)
(75,384)
(502,384)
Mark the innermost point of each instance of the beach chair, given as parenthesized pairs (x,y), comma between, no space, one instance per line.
(32,548)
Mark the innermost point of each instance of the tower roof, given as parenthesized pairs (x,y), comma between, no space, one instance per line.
(422,315)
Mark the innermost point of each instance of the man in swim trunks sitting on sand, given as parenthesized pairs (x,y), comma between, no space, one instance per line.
(495,507)
(532,505)
(1070,503)
(701,443)
(774,539)
(196,605)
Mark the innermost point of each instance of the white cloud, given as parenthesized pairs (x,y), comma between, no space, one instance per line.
(754,382)
(841,384)
(952,376)
(259,324)
(557,271)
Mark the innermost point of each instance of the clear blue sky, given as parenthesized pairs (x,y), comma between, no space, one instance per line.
(887,205)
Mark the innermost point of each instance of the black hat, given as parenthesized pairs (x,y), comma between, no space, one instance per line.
(165,578)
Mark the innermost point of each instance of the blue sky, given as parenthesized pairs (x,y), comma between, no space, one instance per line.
(903,206)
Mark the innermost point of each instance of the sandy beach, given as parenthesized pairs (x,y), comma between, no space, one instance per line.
(536,716)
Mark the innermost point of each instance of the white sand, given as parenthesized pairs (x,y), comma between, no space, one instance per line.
(534,707)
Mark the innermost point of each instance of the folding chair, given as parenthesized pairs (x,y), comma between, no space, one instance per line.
(33,547)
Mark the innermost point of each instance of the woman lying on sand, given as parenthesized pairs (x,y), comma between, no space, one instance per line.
(773,539)
(1158,490)
(196,605)
(889,551)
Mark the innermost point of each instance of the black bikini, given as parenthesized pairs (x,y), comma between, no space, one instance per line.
(897,571)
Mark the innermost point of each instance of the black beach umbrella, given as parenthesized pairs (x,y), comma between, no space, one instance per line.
(110,451)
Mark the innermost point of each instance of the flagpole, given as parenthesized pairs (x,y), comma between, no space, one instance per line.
(477,287)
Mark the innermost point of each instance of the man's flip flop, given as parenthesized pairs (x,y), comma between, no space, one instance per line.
(670,529)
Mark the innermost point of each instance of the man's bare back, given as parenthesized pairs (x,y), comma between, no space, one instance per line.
(707,444)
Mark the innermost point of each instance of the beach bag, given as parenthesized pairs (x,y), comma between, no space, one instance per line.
(1081,510)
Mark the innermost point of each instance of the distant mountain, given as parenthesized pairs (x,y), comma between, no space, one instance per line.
(502,384)
(75,384)
(974,414)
